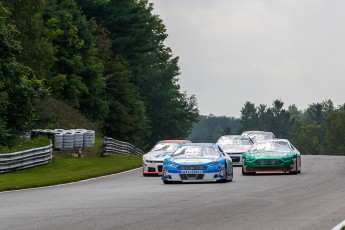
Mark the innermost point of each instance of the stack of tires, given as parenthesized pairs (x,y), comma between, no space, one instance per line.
(58,139)
(72,139)
(68,140)
(89,138)
(79,138)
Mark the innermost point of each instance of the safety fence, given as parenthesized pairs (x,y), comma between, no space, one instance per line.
(16,161)
(112,146)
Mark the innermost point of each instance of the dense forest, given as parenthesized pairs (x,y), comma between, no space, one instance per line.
(105,58)
(319,129)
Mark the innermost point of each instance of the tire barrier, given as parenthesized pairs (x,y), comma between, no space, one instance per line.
(89,138)
(16,161)
(72,139)
(112,146)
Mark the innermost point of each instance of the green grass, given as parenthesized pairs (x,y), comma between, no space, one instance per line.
(22,144)
(66,167)
(63,170)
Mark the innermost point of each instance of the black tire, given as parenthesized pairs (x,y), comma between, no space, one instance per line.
(244,173)
(299,171)
(228,180)
(295,172)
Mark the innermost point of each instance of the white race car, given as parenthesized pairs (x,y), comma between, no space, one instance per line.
(153,160)
(258,135)
(234,146)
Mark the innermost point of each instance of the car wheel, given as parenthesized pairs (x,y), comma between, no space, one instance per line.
(299,170)
(247,173)
(231,177)
(295,172)
(243,172)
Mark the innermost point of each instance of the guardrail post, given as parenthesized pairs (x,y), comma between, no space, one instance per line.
(104,148)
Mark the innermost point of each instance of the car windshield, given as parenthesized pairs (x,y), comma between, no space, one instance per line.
(233,141)
(271,146)
(260,136)
(196,152)
(171,146)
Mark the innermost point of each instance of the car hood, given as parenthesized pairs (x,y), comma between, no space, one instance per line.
(235,148)
(158,155)
(259,154)
(194,160)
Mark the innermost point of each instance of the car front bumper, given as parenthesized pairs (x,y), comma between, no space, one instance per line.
(269,165)
(152,168)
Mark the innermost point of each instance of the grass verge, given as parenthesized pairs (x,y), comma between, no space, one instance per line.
(67,167)
(21,145)
(63,170)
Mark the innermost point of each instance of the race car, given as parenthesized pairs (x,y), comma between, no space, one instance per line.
(234,146)
(198,162)
(258,135)
(153,160)
(277,155)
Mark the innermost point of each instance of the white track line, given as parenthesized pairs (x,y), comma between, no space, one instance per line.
(339,226)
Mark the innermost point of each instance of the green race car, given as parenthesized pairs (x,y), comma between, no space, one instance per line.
(276,155)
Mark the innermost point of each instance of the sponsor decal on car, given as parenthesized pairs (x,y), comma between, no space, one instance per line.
(191,171)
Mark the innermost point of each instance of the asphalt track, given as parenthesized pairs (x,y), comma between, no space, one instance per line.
(314,199)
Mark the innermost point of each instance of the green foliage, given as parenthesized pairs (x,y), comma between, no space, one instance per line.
(307,137)
(127,120)
(77,76)
(24,144)
(37,51)
(319,129)
(335,133)
(136,35)
(210,128)
(56,114)
(16,90)
(274,119)
(64,169)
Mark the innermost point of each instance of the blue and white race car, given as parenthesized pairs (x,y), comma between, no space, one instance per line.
(198,162)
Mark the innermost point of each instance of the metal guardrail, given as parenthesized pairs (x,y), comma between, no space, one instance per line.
(16,161)
(112,146)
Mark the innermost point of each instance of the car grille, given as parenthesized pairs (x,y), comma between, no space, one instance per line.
(192,176)
(150,169)
(154,162)
(268,162)
(192,167)
(235,159)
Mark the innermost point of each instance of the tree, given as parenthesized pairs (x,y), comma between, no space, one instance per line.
(137,36)
(77,76)
(210,128)
(16,90)
(249,117)
(335,133)
(281,120)
(37,51)
(127,120)
(306,137)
